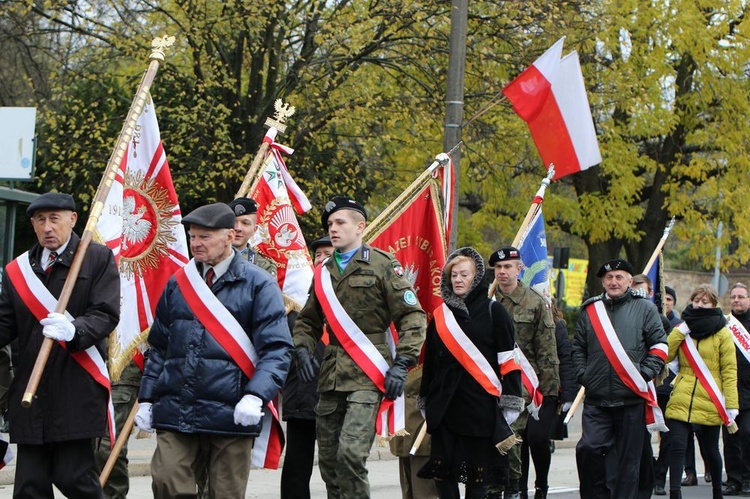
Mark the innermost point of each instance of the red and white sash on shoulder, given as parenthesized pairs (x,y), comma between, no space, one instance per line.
(628,373)
(702,372)
(41,303)
(740,336)
(228,332)
(468,355)
(531,382)
(357,345)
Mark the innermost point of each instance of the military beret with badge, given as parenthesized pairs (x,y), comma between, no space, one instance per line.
(244,206)
(504,254)
(211,216)
(340,203)
(616,264)
(51,201)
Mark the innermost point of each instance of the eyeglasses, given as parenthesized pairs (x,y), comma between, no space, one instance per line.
(737,297)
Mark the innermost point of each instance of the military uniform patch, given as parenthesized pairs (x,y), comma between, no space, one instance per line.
(410,297)
(398,269)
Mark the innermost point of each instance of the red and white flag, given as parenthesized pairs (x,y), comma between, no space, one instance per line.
(551,98)
(140,222)
(278,234)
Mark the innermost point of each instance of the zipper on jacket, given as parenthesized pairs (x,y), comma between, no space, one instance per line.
(695,386)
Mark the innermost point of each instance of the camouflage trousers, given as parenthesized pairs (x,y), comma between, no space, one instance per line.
(514,458)
(118,484)
(345,426)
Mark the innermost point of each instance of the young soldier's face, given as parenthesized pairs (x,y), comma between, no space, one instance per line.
(244,228)
(507,272)
(210,245)
(53,227)
(345,230)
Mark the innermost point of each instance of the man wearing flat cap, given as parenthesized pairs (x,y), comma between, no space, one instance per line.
(55,436)
(619,346)
(535,335)
(246,221)
(356,295)
(219,352)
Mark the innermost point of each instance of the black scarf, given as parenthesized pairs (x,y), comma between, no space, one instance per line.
(703,322)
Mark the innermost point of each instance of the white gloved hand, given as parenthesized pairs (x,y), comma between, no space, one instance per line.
(58,327)
(510,415)
(248,412)
(144,418)
(733,413)
(566,406)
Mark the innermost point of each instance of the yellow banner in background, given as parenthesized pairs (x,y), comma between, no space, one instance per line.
(575,281)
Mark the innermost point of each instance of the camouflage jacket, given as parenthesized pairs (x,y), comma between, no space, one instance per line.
(535,335)
(374,293)
(260,260)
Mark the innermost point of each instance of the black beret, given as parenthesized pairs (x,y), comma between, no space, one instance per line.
(503,254)
(244,206)
(211,216)
(616,264)
(671,292)
(51,201)
(341,203)
(322,242)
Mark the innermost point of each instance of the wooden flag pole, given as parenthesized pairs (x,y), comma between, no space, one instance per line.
(119,444)
(533,209)
(654,256)
(157,56)
(276,125)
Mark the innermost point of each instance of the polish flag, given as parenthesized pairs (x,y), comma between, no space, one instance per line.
(551,98)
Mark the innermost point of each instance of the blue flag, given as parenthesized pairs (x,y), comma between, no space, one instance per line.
(533,248)
(655,274)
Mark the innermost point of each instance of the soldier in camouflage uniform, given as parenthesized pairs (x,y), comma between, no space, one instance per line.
(246,211)
(370,286)
(535,336)
(124,395)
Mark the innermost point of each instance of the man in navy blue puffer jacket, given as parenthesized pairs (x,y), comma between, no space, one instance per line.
(220,351)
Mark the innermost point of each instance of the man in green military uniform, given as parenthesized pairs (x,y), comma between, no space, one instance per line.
(124,395)
(356,295)
(535,336)
(246,211)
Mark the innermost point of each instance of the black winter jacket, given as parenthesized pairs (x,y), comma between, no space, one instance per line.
(638,326)
(743,367)
(191,380)
(568,383)
(69,404)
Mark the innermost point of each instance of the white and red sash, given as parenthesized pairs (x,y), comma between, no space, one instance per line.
(740,336)
(467,354)
(40,302)
(362,351)
(228,333)
(628,373)
(703,373)
(531,382)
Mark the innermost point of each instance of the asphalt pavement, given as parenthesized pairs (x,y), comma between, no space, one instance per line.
(383,474)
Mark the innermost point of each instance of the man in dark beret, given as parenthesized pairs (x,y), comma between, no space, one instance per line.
(357,293)
(55,436)
(535,335)
(619,343)
(220,349)
(246,214)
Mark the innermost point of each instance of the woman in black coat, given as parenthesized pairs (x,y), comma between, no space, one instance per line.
(465,420)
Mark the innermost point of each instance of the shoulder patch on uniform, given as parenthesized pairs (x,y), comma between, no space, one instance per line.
(410,297)
(366,254)
(397,268)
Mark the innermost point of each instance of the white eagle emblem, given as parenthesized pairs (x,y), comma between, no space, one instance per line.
(134,227)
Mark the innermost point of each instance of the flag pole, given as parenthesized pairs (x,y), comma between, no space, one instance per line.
(533,209)
(276,125)
(122,437)
(654,256)
(113,165)
(405,197)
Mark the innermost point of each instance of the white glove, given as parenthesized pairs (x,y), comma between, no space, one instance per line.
(248,412)
(144,418)
(733,413)
(58,327)
(566,406)
(510,415)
